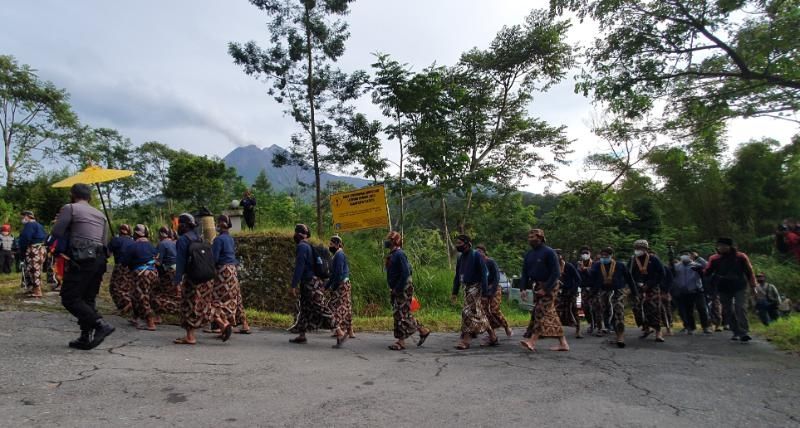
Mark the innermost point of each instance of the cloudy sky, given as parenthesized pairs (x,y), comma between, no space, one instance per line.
(159,70)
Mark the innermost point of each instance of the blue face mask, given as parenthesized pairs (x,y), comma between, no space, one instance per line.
(605,260)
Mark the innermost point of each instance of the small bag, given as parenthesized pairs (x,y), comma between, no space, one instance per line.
(83,250)
(414,304)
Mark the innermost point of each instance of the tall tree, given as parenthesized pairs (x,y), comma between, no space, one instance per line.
(34,115)
(261,184)
(670,59)
(153,160)
(202,182)
(306,38)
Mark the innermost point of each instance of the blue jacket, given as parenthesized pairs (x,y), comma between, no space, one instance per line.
(622,278)
(398,270)
(340,270)
(32,233)
(119,246)
(494,276)
(224,250)
(140,253)
(570,279)
(540,265)
(182,253)
(688,278)
(303,264)
(167,252)
(471,269)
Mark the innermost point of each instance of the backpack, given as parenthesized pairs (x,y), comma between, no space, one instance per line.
(200,266)
(322,262)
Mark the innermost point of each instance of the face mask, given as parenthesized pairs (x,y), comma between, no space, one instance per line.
(332,249)
(585,257)
(387,244)
(605,260)
(639,253)
(461,248)
(25,220)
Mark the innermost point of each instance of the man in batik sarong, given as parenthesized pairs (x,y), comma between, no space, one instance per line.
(473,275)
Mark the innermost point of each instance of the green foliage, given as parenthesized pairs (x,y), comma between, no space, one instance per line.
(39,196)
(202,182)
(784,333)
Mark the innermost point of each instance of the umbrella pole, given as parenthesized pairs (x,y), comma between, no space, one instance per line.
(105,210)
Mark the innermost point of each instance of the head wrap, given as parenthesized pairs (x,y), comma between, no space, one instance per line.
(336,239)
(641,243)
(141,231)
(482,248)
(222,218)
(725,241)
(585,249)
(539,233)
(187,219)
(607,250)
(301,228)
(164,232)
(464,238)
(27,213)
(125,229)
(395,238)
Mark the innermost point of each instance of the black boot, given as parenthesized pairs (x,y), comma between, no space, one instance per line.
(101,330)
(84,342)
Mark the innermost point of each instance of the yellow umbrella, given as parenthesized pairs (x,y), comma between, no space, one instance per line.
(95,175)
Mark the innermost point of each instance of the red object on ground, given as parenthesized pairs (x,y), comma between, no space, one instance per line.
(414,304)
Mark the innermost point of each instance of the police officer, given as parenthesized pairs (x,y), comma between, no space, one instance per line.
(84,228)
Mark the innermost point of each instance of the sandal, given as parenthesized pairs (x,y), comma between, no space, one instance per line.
(495,342)
(462,346)
(139,327)
(559,349)
(396,347)
(226,333)
(182,341)
(243,331)
(660,340)
(339,341)
(212,330)
(525,345)
(620,345)
(299,340)
(423,338)
(645,334)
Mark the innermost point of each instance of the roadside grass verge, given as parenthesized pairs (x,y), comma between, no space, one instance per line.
(783,333)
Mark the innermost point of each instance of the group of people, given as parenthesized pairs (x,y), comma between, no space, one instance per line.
(185,275)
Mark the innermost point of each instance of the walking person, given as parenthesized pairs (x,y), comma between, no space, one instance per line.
(194,270)
(248,204)
(6,249)
(32,250)
(688,289)
(567,298)
(648,275)
(340,289)
(121,284)
(494,296)
(768,300)
(84,229)
(312,311)
(140,257)
(610,278)
(473,276)
(587,292)
(227,290)
(541,271)
(713,302)
(398,276)
(731,272)
(167,296)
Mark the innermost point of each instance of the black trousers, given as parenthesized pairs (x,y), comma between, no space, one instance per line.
(687,304)
(80,288)
(250,219)
(6,261)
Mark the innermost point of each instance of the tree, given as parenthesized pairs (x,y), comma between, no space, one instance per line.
(261,185)
(305,39)
(362,147)
(202,182)
(34,115)
(154,160)
(721,59)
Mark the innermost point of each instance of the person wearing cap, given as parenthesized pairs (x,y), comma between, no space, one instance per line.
(313,312)
(398,277)
(197,306)
(491,302)
(32,250)
(84,229)
(140,257)
(610,278)
(769,299)
(473,275)
(687,287)
(541,271)
(338,284)
(121,283)
(648,275)
(166,296)
(731,273)
(227,291)
(6,249)
(567,298)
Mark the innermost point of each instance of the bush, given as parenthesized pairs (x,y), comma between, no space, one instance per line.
(782,272)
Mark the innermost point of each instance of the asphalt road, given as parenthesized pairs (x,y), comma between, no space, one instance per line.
(139,378)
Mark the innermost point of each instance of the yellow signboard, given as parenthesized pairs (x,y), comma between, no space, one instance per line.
(360,209)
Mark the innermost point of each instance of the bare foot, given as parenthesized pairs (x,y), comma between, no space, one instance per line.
(560,348)
(527,346)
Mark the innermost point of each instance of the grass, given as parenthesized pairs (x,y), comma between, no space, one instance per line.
(784,333)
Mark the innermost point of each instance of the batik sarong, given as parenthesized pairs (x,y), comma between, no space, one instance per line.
(34,262)
(567,308)
(121,286)
(544,316)
(341,305)
(197,307)
(312,310)
(227,294)
(166,298)
(491,307)
(404,323)
(144,281)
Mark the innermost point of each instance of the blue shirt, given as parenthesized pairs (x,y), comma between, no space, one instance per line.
(398,270)
(570,279)
(224,250)
(494,276)
(621,278)
(540,265)
(471,269)
(340,270)
(166,252)
(140,253)
(688,278)
(119,246)
(32,233)
(303,264)
(182,253)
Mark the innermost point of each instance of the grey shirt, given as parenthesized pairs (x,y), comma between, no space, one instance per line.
(83,221)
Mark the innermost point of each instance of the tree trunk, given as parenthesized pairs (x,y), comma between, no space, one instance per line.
(402,186)
(446,234)
(313,127)
(9,166)
(462,227)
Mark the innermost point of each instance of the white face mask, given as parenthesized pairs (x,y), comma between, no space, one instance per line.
(585,257)
(639,253)
(25,220)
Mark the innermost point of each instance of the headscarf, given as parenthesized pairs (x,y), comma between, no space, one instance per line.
(539,233)
(141,231)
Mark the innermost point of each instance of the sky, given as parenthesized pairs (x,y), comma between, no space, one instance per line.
(159,70)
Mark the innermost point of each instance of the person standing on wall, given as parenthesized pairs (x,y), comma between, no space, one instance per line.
(248,204)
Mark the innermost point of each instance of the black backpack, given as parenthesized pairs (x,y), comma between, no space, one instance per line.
(321,262)
(200,266)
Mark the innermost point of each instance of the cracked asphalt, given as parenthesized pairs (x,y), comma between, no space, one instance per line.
(139,377)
